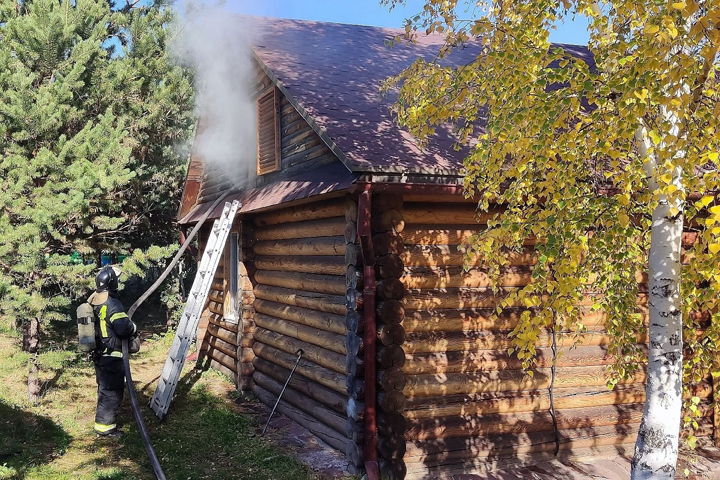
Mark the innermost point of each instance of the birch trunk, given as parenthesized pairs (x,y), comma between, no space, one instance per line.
(656,447)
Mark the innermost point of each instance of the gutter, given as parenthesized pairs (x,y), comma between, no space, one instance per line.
(369,334)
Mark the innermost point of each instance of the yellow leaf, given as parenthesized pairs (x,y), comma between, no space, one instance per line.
(679,5)
(715,210)
(624,220)
(714,248)
(706,200)
(651,29)
(713,156)
(624,199)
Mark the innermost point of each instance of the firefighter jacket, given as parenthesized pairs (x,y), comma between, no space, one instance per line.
(113,325)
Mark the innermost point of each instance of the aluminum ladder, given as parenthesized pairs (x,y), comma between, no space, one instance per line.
(187,327)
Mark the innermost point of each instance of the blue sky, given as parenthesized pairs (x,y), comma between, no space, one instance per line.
(369,12)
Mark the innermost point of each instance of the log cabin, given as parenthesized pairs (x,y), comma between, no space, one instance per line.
(346,247)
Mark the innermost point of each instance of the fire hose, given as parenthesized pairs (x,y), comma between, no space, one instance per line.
(125,349)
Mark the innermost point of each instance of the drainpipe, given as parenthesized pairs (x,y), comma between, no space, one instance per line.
(368,255)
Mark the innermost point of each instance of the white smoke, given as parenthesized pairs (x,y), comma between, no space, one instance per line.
(217,46)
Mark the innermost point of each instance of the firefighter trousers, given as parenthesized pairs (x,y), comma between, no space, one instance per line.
(110,376)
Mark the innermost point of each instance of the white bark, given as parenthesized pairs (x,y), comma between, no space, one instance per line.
(656,448)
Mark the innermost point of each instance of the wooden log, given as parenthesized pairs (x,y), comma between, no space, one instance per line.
(391,401)
(392,378)
(333,438)
(225,335)
(312,407)
(390,220)
(354,365)
(391,311)
(225,360)
(476,319)
(315,301)
(390,356)
(353,299)
(323,376)
(449,255)
(327,227)
(353,278)
(429,342)
(226,348)
(464,298)
(332,399)
(354,322)
(390,289)
(384,201)
(223,324)
(353,344)
(523,422)
(355,387)
(314,336)
(309,282)
(321,356)
(246,355)
(525,401)
(393,469)
(355,409)
(470,361)
(507,380)
(222,368)
(391,334)
(389,266)
(391,423)
(334,265)
(387,243)
(351,211)
(457,277)
(442,214)
(508,445)
(300,213)
(509,402)
(330,322)
(715,382)
(350,232)
(353,255)
(391,446)
(322,246)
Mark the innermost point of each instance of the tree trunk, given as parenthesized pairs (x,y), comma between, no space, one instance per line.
(656,447)
(31,344)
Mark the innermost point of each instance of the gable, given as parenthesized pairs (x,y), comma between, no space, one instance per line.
(297,145)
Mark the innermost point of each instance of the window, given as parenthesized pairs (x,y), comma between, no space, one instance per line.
(268,154)
(232,293)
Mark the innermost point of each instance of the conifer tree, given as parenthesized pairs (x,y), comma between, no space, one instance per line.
(91,114)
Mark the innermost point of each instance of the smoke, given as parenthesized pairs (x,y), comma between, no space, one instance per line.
(217,46)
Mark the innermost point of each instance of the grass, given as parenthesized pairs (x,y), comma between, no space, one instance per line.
(203,437)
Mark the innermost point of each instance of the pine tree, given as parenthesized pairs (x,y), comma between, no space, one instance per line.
(91,113)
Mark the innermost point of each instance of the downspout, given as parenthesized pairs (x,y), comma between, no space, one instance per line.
(368,255)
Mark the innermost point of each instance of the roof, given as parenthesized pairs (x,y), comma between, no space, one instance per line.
(313,182)
(334,73)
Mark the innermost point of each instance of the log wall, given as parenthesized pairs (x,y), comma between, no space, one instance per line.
(468,404)
(305,277)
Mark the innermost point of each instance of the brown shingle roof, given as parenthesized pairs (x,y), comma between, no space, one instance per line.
(334,72)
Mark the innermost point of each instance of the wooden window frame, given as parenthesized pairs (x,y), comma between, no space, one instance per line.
(269,100)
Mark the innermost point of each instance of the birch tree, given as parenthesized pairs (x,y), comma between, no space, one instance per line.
(610,161)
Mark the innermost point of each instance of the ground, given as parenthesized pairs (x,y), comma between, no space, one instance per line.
(211,432)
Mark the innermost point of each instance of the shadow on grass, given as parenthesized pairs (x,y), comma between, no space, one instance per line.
(28,440)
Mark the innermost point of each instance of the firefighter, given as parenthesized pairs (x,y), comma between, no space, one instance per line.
(112,326)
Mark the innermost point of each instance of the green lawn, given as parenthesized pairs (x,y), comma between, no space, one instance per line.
(204,436)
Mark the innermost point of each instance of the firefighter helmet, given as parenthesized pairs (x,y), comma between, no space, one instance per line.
(106,280)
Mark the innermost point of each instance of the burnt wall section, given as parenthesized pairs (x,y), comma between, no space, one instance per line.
(300,149)
(302,259)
